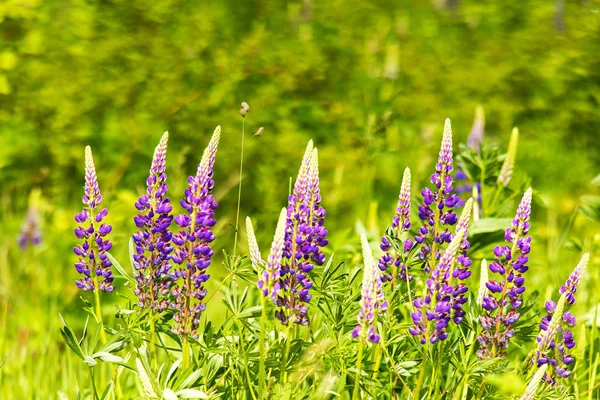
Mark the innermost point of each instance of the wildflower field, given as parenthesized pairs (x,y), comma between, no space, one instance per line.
(305,200)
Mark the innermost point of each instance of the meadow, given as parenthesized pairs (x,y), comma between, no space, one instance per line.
(334,237)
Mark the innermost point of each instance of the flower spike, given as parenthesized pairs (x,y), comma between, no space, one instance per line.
(93,263)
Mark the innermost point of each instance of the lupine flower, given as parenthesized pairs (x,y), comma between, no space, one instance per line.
(305,236)
(192,243)
(463,266)
(269,283)
(474,141)
(503,300)
(255,256)
(372,299)
(437,210)
(93,263)
(534,384)
(556,339)
(509,162)
(433,311)
(152,241)
(476,135)
(390,262)
(30,231)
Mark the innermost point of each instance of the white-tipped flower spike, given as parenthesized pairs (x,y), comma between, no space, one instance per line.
(476,135)
(268,284)
(465,217)
(532,387)
(208,157)
(255,256)
(509,161)
(402,218)
(445,157)
(371,299)
(570,286)
(482,281)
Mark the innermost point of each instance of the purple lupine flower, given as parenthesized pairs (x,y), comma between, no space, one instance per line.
(433,311)
(556,339)
(93,263)
(391,262)
(192,244)
(464,186)
(269,282)
(30,231)
(372,299)
(152,241)
(477,130)
(463,266)
(437,210)
(305,235)
(503,298)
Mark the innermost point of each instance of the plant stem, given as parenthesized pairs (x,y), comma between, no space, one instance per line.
(185,352)
(355,392)
(93,383)
(417,391)
(243,350)
(288,343)
(152,340)
(261,367)
(237,216)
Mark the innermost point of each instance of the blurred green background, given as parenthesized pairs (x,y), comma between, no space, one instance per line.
(371,82)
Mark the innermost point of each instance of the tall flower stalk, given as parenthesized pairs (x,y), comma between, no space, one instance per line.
(372,301)
(391,262)
(305,236)
(504,295)
(555,339)
(192,248)
(152,240)
(93,262)
(437,210)
(268,284)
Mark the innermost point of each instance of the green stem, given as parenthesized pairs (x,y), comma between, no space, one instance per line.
(98,310)
(261,367)
(93,383)
(243,350)
(417,391)
(152,340)
(288,343)
(355,392)
(185,353)
(237,216)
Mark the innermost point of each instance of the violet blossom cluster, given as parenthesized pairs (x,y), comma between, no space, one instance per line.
(30,231)
(391,262)
(152,241)
(192,252)
(433,311)
(305,236)
(437,210)
(372,299)
(556,338)
(473,141)
(93,262)
(504,294)
(462,269)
